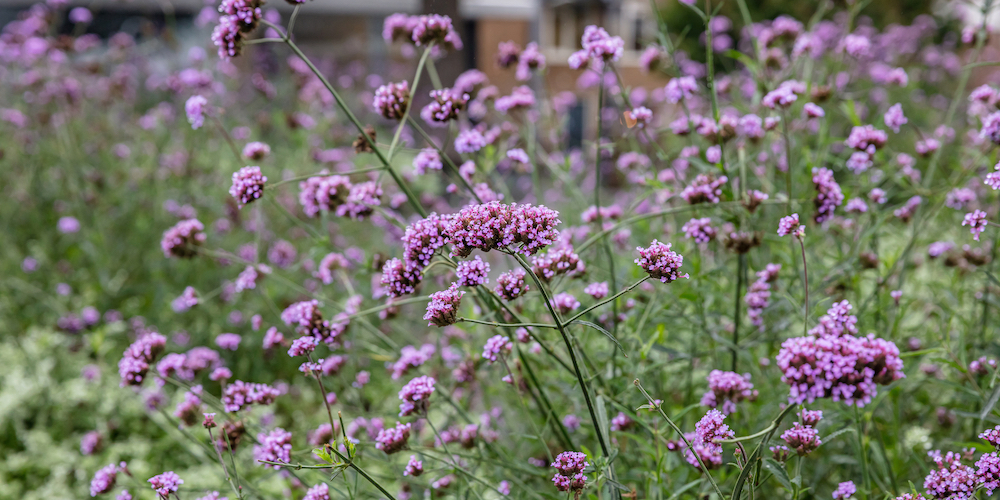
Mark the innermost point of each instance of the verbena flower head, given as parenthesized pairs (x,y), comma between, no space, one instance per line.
(411,357)
(726,389)
(393,440)
(565,303)
(138,356)
(700,230)
(789,225)
(520,98)
(894,117)
(597,290)
(415,395)
(557,261)
(988,472)
(704,442)
(183,238)
(469,141)
(239,395)
(422,239)
(598,47)
(104,480)
(446,106)
(951,479)
(680,88)
(832,363)
(496,345)
(435,29)
(495,226)
(991,436)
(845,490)
(864,137)
(256,151)
(442,310)
(660,262)
(414,467)
(248,185)
(275,446)
(186,300)
(976,220)
(907,211)
(319,492)
(704,189)
(474,272)
(361,200)
(306,318)
(427,159)
(810,417)
(569,466)
(784,96)
(196,108)
(828,194)
(166,483)
(392,99)
(991,128)
(511,285)
(802,439)
(530,59)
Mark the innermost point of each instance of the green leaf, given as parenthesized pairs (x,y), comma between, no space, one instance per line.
(602,418)
(779,472)
(605,332)
(990,403)
(751,461)
(323,454)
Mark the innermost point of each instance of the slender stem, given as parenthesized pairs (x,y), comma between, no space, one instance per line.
(229,139)
(736,313)
(605,301)
(403,186)
(862,451)
(506,325)
(788,159)
(683,438)
(291,21)
(218,452)
(572,354)
(413,92)
(805,285)
(326,402)
(364,474)
(304,177)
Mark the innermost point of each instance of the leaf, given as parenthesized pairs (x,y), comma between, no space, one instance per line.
(989,404)
(605,332)
(779,472)
(602,418)
(323,454)
(684,488)
(827,439)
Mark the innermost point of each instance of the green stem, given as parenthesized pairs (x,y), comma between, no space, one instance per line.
(409,106)
(506,325)
(605,301)
(572,353)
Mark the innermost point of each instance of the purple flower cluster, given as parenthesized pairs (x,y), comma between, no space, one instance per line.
(427,159)
(307,319)
(393,440)
(569,466)
(496,226)
(565,303)
(789,225)
(598,47)
(555,262)
(976,220)
(496,345)
(256,151)
(414,467)
(700,230)
(186,300)
(704,189)
(597,290)
(727,389)
(104,480)
(445,107)
(828,194)
(392,99)
(680,88)
(832,363)
(275,446)
(400,279)
(239,395)
(894,117)
(442,310)
(323,193)
(520,98)
(474,272)
(319,492)
(785,95)
(758,295)
(138,356)
(704,442)
(415,395)
(238,19)
(411,357)
(422,30)
(248,185)
(907,211)
(469,141)
(802,438)
(866,138)
(165,484)
(660,262)
(183,238)
(511,285)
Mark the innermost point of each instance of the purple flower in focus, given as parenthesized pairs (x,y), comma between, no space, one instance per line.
(415,395)
(248,184)
(275,446)
(165,484)
(660,262)
(976,220)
